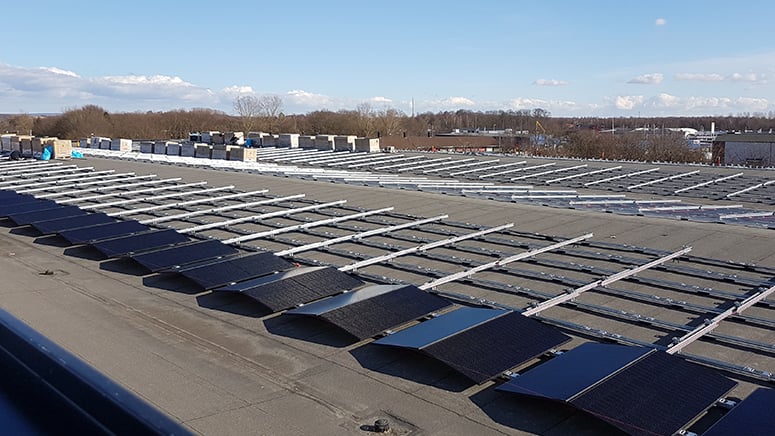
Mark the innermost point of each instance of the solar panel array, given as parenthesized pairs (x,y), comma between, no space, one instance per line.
(255,230)
(551,183)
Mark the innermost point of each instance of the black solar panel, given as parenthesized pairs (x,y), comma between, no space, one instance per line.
(367,318)
(61,224)
(753,416)
(180,255)
(28,205)
(303,288)
(487,350)
(103,231)
(46,214)
(140,242)
(574,371)
(657,395)
(234,269)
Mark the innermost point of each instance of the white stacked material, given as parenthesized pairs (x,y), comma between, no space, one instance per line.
(188,150)
(290,140)
(344,143)
(121,144)
(173,149)
(234,138)
(63,148)
(324,142)
(202,151)
(306,141)
(369,145)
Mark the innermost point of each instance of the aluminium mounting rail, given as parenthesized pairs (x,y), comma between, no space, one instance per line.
(132,192)
(622,176)
(184,203)
(119,184)
(476,170)
(500,262)
(709,182)
(664,179)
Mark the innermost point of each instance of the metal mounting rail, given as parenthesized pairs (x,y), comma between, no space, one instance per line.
(52,180)
(517,170)
(185,203)
(361,235)
(84,181)
(588,173)
(751,188)
(260,217)
(663,179)
(117,184)
(212,210)
(469,272)
(602,282)
(709,182)
(465,165)
(29,171)
(609,179)
(475,170)
(308,225)
(134,192)
(392,158)
(401,165)
(431,164)
(423,247)
(679,343)
(543,173)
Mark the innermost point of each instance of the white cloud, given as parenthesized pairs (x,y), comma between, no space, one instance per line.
(550,82)
(648,79)
(308,99)
(236,90)
(666,101)
(700,77)
(660,22)
(56,70)
(746,77)
(380,99)
(459,101)
(628,102)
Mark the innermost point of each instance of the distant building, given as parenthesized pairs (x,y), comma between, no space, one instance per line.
(749,149)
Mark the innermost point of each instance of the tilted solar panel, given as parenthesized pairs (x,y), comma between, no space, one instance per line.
(103,231)
(574,371)
(30,205)
(369,317)
(752,417)
(428,332)
(46,214)
(50,227)
(126,245)
(657,395)
(302,288)
(180,255)
(234,269)
(488,349)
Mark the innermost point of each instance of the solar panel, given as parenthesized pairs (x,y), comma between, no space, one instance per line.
(103,231)
(574,371)
(288,290)
(179,255)
(57,225)
(428,332)
(372,310)
(234,269)
(752,416)
(658,394)
(46,214)
(140,242)
(488,349)
(27,205)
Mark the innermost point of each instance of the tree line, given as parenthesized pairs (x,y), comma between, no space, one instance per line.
(577,137)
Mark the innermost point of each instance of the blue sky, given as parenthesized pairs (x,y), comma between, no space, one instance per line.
(572,58)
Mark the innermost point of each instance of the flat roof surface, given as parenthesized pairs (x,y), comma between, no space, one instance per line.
(221,367)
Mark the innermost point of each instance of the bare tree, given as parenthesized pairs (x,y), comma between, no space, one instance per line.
(249,108)
(365,119)
(270,105)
